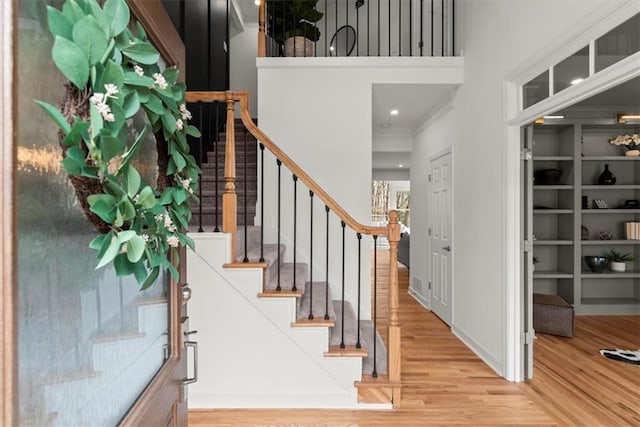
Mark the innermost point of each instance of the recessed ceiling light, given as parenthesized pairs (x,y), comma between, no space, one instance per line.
(400,166)
(257,2)
(554,117)
(577,80)
(394,112)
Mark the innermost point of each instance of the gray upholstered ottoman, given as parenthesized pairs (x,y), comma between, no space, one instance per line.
(552,315)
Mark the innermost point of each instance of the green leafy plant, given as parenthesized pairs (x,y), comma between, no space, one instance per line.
(289,18)
(114,75)
(616,256)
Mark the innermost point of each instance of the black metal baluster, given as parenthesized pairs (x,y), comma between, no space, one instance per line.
(326,274)
(346,14)
(432,43)
(421,43)
(261,202)
(335,48)
(343,285)
(295,229)
(358,28)
(215,143)
(442,28)
(326,34)
(400,28)
(410,29)
(453,27)
(311,256)
(246,148)
(368,27)
(374,374)
(389,25)
(378,27)
(279,163)
(358,344)
(200,229)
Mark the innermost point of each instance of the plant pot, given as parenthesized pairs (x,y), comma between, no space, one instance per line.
(618,267)
(298,46)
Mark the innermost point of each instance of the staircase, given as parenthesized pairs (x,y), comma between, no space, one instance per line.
(273,333)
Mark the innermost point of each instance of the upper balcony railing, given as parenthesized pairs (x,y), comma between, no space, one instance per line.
(323,28)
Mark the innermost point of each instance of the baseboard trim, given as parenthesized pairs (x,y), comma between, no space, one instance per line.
(478,349)
(421,300)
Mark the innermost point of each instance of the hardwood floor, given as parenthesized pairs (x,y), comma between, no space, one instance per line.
(444,383)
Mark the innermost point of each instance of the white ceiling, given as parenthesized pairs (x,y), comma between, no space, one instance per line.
(247,9)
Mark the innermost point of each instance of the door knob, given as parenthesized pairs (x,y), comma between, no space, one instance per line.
(186,293)
(447,248)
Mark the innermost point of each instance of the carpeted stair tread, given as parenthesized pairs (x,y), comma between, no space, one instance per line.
(286,277)
(350,325)
(319,298)
(366,328)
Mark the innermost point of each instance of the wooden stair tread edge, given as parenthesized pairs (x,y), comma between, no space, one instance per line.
(240,264)
(280,294)
(318,321)
(379,381)
(348,351)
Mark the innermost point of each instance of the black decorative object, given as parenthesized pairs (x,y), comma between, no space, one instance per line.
(606,177)
(547,176)
(584,233)
(585,202)
(631,204)
(596,264)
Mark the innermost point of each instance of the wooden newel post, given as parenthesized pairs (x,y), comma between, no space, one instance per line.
(394,325)
(229,197)
(262,35)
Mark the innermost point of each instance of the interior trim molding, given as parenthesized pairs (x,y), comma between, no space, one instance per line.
(8,266)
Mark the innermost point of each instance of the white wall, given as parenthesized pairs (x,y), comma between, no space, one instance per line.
(318,110)
(497,36)
(242,66)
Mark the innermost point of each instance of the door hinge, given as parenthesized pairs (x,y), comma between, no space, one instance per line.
(527,246)
(429,286)
(525,154)
(429,231)
(526,338)
(429,177)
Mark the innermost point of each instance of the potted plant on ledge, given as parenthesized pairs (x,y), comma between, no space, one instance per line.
(291,23)
(618,260)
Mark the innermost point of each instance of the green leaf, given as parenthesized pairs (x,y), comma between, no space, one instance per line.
(125,236)
(171,75)
(155,105)
(72,166)
(167,196)
(133,181)
(193,131)
(56,116)
(131,152)
(147,199)
(119,221)
(100,17)
(141,52)
(168,121)
(73,11)
(172,269)
(128,210)
(186,240)
(71,61)
(97,124)
(90,171)
(131,78)
(88,35)
(135,250)
(59,24)
(111,147)
(109,254)
(117,12)
(142,34)
(139,271)
(150,279)
(78,131)
(98,241)
(181,163)
(180,196)
(122,265)
(103,205)
(131,104)
(106,243)
(117,125)
(144,93)
(112,74)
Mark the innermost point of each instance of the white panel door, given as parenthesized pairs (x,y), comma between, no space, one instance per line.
(440,238)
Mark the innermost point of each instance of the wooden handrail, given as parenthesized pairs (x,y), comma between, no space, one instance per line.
(243,98)
(262,35)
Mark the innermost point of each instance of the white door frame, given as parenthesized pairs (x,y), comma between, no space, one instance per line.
(446,151)
(600,22)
